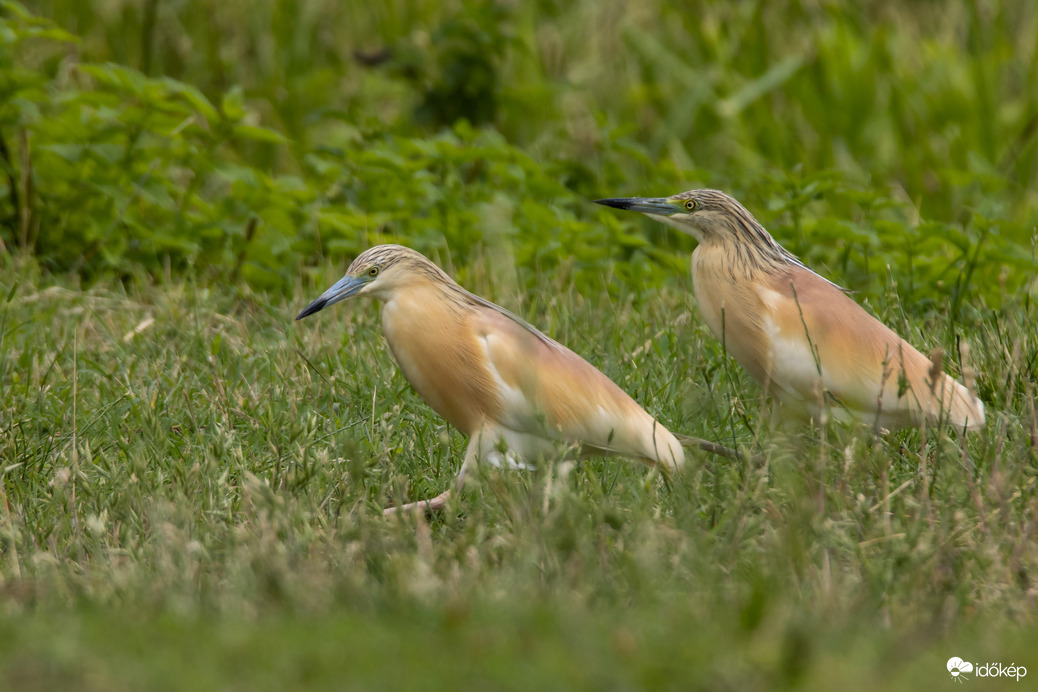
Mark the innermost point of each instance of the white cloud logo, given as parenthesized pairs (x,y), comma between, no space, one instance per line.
(957,667)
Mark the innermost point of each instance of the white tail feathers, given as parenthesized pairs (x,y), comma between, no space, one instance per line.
(963,409)
(960,407)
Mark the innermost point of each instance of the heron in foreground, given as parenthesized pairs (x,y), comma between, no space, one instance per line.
(813,349)
(517,394)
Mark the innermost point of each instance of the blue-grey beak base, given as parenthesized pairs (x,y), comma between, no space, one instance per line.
(343,289)
(646,205)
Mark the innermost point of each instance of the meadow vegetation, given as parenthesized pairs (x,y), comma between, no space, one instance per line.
(191,482)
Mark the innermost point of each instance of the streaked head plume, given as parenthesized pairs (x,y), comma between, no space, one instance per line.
(713,217)
(377,272)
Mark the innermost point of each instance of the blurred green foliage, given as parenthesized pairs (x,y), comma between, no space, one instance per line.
(244,139)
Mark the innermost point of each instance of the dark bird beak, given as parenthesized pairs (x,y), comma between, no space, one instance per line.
(646,205)
(343,289)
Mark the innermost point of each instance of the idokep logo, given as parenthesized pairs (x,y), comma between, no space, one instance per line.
(959,669)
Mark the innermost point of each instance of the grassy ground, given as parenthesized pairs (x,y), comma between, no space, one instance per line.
(192,484)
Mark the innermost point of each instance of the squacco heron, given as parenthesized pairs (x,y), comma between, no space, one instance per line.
(517,394)
(813,349)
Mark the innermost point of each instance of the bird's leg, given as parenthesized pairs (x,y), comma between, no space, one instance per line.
(440,501)
(472,456)
(431,505)
(778,419)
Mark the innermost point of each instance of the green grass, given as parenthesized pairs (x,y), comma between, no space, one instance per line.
(192,482)
(198,505)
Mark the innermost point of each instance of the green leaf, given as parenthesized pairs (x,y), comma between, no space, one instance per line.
(258,134)
(193,97)
(232,105)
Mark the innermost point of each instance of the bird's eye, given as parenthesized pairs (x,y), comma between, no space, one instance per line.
(373,271)
(690,205)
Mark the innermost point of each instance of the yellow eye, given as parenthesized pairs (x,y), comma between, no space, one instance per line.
(373,271)
(690,205)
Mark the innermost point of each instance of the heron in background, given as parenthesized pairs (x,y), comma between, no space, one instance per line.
(813,349)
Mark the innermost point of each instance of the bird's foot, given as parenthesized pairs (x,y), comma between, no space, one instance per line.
(431,505)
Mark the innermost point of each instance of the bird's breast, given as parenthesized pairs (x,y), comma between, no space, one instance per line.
(733,309)
(439,355)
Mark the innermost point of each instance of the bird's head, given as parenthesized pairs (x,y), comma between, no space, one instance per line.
(704,214)
(376,272)
(712,217)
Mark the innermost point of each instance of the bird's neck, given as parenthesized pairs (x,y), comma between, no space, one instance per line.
(419,303)
(742,260)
